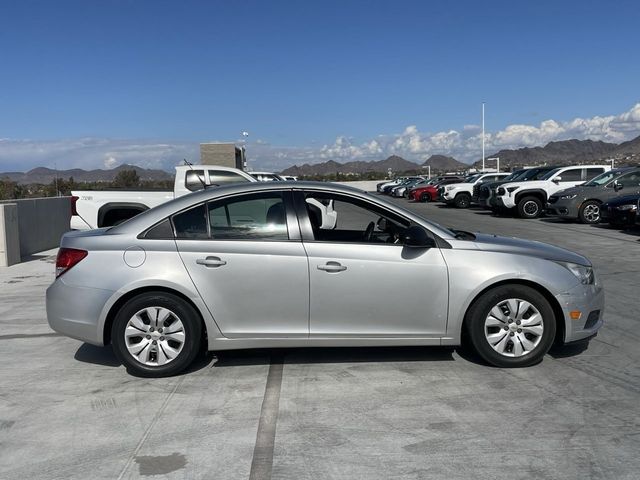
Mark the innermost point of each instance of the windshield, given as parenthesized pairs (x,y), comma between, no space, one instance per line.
(604,178)
(471,178)
(534,173)
(549,174)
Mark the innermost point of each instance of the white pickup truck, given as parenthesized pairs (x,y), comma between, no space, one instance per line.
(105,208)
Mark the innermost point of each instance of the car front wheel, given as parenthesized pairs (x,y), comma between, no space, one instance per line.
(511,326)
(425,197)
(590,212)
(156,334)
(462,200)
(530,207)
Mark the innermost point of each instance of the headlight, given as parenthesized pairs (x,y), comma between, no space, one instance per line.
(568,197)
(582,273)
(449,187)
(625,208)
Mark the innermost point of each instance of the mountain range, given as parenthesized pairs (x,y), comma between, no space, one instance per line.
(554,153)
(45,175)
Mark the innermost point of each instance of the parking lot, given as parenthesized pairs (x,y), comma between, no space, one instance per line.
(69,410)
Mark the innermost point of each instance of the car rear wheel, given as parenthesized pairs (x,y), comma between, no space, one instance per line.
(156,334)
(511,326)
(529,207)
(462,200)
(425,197)
(590,212)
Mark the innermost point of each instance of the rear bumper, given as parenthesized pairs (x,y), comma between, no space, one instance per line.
(75,311)
(587,299)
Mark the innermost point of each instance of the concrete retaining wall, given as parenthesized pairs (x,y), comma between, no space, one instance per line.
(40,224)
(366,185)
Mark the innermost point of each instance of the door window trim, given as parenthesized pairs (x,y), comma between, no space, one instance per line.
(293,229)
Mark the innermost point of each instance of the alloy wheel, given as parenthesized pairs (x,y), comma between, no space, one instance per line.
(591,213)
(530,208)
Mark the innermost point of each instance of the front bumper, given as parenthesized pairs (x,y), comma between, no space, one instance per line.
(587,299)
(75,311)
(562,208)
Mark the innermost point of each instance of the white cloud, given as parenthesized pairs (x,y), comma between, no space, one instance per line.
(411,143)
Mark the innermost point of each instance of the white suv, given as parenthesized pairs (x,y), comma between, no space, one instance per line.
(530,197)
(459,194)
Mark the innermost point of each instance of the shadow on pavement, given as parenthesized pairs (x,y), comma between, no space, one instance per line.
(299,356)
(88,353)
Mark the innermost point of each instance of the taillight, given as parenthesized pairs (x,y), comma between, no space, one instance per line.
(74,209)
(67,258)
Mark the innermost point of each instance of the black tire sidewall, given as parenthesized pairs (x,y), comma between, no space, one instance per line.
(462,200)
(480,309)
(190,321)
(523,202)
(425,197)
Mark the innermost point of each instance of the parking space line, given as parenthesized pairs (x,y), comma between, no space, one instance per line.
(146,433)
(262,461)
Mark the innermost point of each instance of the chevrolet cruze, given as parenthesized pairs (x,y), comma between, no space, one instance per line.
(254,265)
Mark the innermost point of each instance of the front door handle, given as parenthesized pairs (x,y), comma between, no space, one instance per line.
(211,262)
(332,267)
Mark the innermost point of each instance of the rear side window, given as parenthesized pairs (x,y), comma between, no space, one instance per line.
(222,177)
(163,230)
(253,217)
(593,172)
(194,180)
(191,224)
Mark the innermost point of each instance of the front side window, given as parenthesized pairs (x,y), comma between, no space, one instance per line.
(630,180)
(335,218)
(250,217)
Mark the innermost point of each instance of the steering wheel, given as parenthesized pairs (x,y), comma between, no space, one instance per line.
(368,233)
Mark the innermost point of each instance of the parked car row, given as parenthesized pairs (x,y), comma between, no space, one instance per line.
(586,193)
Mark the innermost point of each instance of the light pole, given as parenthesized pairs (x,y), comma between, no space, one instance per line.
(497,159)
(613,161)
(483,136)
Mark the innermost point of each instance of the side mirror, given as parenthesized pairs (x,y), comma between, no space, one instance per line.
(617,186)
(557,180)
(417,236)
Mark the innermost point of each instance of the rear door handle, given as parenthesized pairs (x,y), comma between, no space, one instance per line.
(332,267)
(211,262)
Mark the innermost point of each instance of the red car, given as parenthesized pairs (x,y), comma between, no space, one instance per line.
(429,193)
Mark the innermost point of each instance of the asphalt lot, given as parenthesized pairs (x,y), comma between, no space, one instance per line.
(69,410)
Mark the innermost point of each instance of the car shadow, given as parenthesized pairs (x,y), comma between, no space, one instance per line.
(571,350)
(330,355)
(104,356)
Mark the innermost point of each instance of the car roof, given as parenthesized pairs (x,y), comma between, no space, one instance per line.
(150,217)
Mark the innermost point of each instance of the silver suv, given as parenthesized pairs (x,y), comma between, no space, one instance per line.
(252,265)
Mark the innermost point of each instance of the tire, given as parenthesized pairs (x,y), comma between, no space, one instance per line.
(167,356)
(462,200)
(425,197)
(589,212)
(529,207)
(487,319)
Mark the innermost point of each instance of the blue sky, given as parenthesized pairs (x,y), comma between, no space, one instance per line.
(98,83)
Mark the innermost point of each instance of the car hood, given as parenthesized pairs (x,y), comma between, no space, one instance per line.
(495,243)
(461,185)
(528,184)
(616,202)
(581,191)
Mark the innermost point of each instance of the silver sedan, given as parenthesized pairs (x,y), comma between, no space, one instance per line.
(254,265)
